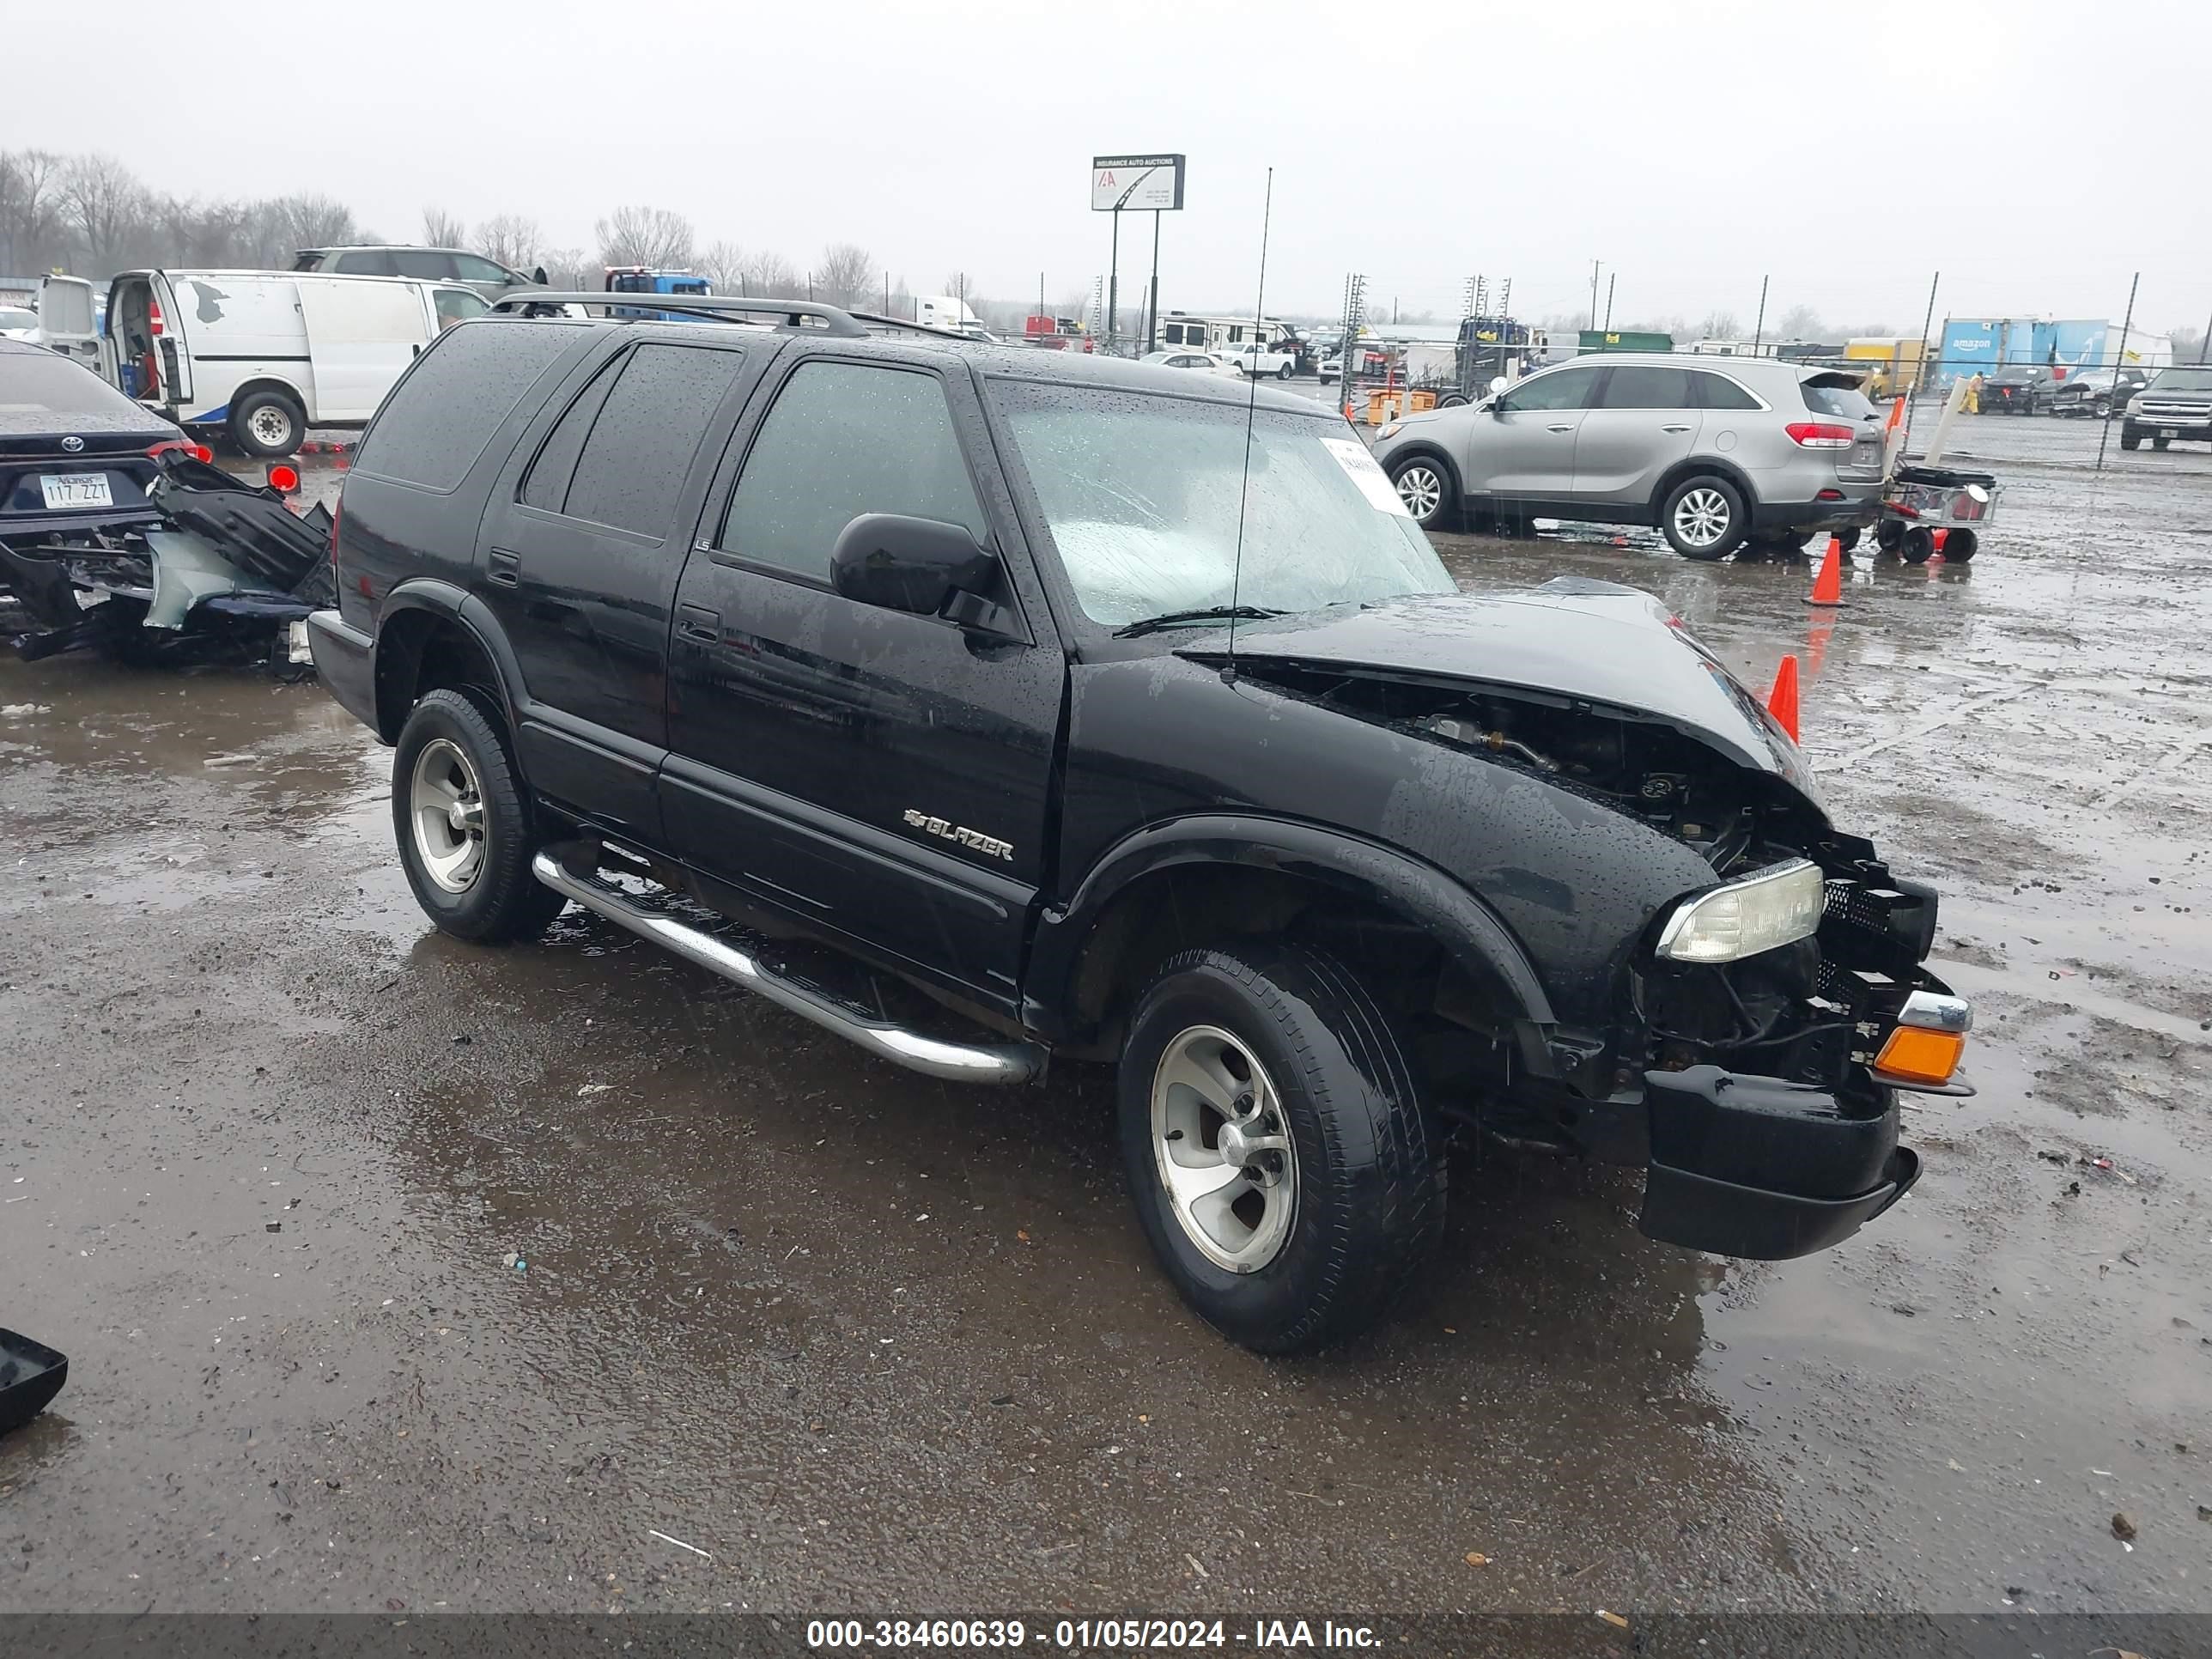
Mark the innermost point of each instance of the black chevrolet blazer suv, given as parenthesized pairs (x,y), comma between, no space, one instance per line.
(988,706)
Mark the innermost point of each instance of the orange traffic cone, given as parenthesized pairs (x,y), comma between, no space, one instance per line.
(1939,535)
(1828,585)
(1782,702)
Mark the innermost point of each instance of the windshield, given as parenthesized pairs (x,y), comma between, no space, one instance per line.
(2183,379)
(1141,495)
(11,318)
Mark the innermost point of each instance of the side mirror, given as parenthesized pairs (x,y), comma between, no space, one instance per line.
(915,565)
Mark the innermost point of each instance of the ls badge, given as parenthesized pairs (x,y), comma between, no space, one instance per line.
(990,846)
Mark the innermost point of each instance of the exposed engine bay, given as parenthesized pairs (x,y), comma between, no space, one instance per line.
(1807,1011)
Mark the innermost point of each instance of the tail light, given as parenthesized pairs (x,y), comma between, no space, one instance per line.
(199,452)
(284,479)
(153,316)
(1820,435)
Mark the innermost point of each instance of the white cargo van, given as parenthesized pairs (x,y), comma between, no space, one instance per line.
(260,356)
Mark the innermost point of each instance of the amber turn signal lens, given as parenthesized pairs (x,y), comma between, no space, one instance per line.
(1920,1056)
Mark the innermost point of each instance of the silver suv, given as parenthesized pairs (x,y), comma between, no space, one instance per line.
(1760,450)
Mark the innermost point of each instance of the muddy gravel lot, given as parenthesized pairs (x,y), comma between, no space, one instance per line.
(397,1274)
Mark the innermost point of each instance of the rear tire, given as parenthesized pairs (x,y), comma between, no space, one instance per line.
(2160,443)
(1283,372)
(1919,544)
(465,825)
(1427,488)
(1704,518)
(1271,1070)
(1848,540)
(1889,536)
(266,424)
(1960,546)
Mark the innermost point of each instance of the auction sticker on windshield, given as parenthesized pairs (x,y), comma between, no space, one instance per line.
(1363,470)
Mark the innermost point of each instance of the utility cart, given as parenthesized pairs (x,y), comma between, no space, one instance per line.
(1922,500)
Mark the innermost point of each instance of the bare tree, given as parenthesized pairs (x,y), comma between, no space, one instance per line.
(443,229)
(102,205)
(722,265)
(846,275)
(311,222)
(570,269)
(770,277)
(1799,323)
(30,210)
(515,241)
(657,238)
(1720,326)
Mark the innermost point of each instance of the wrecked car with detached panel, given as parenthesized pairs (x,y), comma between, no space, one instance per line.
(991,707)
(115,533)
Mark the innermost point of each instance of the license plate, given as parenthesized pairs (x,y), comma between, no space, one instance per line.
(2169,433)
(68,489)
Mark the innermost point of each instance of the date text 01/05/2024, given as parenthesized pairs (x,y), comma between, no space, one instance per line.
(1100,1634)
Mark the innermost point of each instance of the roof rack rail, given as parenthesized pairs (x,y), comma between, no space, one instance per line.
(908,326)
(833,320)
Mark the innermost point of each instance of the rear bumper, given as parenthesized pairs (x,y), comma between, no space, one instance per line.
(1861,506)
(345,661)
(1755,1167)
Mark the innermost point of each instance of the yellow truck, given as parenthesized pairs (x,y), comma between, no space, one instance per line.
(1894,361)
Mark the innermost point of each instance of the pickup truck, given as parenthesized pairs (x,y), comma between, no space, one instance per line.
(1257,360)
(994,708)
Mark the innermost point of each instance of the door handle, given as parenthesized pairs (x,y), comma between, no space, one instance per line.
(505,568)
(696,623)
(1675,426)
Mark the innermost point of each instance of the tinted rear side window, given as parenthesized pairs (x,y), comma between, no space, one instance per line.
(546,487)
(647,431)
(1641,386)
(438,418)
(369,262)
(1717,391)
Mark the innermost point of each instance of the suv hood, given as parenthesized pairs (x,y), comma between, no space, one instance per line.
(1594,642)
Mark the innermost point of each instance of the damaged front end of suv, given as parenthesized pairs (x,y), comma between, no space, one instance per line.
(1728,991)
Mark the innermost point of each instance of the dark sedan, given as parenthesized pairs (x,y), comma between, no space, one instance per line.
(75,458)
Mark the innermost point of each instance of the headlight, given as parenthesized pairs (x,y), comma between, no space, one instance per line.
(1776,907)
(2135,405)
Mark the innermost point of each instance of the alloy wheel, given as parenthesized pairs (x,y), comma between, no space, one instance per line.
(1701,517)
(1222,1147)
(1421,490)
(446,804)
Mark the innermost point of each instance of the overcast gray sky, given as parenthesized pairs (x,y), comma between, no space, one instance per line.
(2036,152)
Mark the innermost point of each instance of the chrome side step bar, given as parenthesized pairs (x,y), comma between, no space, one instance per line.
(572,870)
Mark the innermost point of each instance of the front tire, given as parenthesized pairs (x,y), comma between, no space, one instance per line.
(465,825)
(1425,485)
(1272,1134)
(266,424)
(1705,519)
(2129,438)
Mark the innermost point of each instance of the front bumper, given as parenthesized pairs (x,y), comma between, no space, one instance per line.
(345,661)
(1756,1167)
(2194,429)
